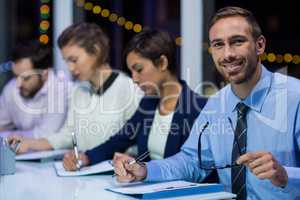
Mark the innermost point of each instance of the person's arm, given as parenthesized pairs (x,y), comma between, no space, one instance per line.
(59,140)
(293,173)
(265,166)
(119,142)
(183,165)
(26,144)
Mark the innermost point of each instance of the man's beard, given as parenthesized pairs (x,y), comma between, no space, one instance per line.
(29,94)
(248,70)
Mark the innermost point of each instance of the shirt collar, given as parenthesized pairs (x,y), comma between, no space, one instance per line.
(105,86)
(257,96)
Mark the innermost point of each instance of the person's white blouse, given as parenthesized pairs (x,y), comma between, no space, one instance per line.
(95,118)
(159,134)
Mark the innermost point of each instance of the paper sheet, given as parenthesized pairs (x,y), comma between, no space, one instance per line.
(157,187)
(102,167)
(42,155)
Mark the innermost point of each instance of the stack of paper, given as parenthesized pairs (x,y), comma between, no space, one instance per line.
(102,167)
(38,155)
(168,189)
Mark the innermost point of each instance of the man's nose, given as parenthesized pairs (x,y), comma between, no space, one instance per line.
(229,53)
(19,82)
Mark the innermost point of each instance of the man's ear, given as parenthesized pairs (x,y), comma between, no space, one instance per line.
(260,45)
(163,63)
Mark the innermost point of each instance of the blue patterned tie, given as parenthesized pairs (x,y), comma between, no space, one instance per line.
(238,174)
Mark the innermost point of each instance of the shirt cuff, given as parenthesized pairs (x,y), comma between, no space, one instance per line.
(293,180)
(153,172)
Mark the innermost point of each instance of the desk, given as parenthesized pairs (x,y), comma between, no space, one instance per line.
(38,181)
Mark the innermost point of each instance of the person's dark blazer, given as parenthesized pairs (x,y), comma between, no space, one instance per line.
(137,129)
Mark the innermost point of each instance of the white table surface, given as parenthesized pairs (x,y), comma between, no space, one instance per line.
(38,181)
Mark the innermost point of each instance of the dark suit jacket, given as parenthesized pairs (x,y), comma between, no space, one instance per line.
(137,129)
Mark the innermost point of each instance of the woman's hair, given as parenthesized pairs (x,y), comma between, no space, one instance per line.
(88,36)
(152,44)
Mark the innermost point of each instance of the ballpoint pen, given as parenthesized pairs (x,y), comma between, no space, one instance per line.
(78,161)
(137,160)
(140,158)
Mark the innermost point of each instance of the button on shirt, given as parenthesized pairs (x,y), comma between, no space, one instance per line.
(273,125)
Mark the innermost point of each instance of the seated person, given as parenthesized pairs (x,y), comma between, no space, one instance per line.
(102,101)
(259,159)
(34,103)
(165,115)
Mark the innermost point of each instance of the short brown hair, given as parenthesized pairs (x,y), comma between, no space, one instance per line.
(237,11)
(152,44)
(88,36)
(39,54)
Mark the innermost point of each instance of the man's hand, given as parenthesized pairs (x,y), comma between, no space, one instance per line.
(19,143)
(265,166)
(69,161)
(126,172)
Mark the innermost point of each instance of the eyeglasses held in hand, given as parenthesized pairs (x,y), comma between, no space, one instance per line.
(213,166)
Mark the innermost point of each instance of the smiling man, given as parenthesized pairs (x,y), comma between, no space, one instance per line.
(259,158)
(34,102)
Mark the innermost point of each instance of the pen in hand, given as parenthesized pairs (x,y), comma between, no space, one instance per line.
(138,160)
(78,161)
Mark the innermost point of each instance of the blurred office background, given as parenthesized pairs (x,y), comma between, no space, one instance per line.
(121,19)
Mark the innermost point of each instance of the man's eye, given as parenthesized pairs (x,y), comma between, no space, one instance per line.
(238,42)
(24,78)
(217,45)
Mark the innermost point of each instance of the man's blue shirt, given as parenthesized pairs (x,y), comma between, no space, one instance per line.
(273,122)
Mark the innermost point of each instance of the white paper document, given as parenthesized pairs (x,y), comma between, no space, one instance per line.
(42,155)
(173,189)
(144,188)
(102,167)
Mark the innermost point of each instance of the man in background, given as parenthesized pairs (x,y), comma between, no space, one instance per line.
(34,103)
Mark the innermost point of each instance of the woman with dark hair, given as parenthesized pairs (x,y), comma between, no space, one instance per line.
(94,112)
(165,115)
